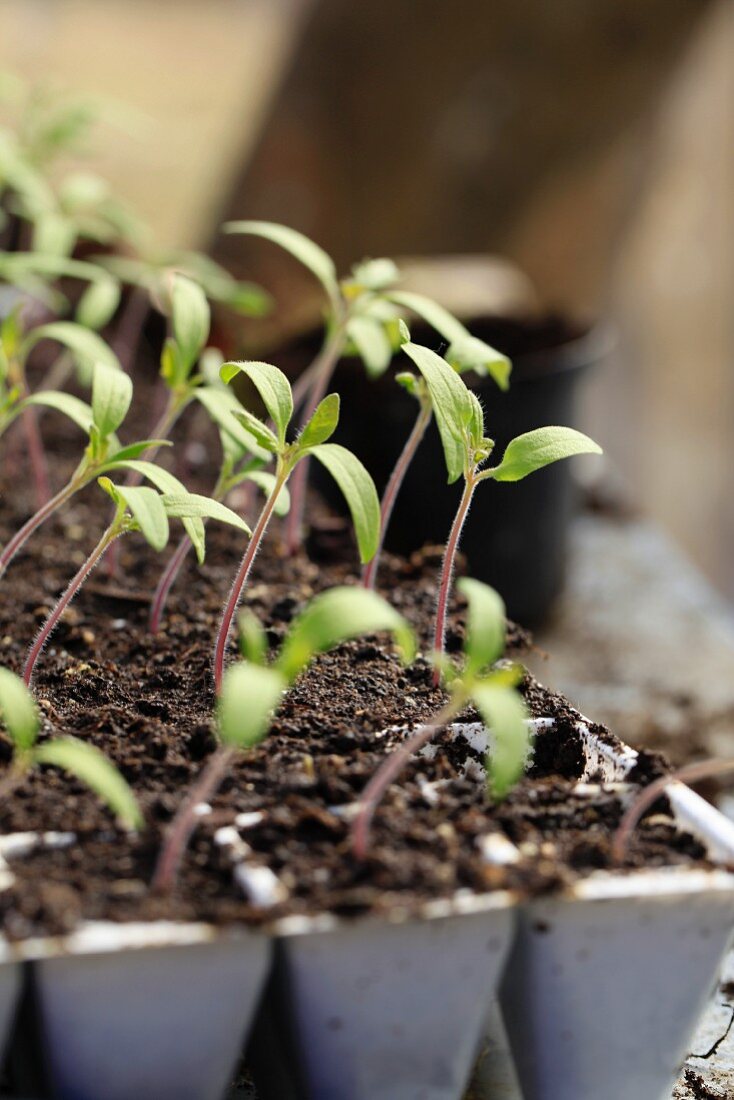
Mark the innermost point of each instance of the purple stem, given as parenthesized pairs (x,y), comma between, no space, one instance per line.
(74,585)
(220,646)
(183,825)
(37,456)
(388,770)
(447,572)
(167,579)
(21,537)
(393,488)
(691,773)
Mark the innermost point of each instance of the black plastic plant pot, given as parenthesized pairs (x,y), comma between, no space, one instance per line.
(516,535)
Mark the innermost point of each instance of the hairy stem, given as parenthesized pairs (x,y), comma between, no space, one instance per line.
(182,827)
(220,646)
(37,456)
(21,536)
(690,774)
(392,489)
(74,585)
(389,769)
(322,368)
(447,571)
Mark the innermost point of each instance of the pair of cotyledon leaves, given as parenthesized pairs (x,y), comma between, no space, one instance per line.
(252,688)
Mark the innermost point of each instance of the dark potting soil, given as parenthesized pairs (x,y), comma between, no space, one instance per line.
(147,702)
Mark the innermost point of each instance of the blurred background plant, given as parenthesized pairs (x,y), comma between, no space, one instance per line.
(584,143)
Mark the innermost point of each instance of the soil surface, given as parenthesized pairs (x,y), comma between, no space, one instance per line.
(147,701)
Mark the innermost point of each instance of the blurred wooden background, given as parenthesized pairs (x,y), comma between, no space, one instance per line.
(589,142)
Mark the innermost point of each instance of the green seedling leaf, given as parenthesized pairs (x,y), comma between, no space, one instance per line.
(250,693)
(166,483)
(322,424)
(336,616)
(273,387)
(92,767)
(147,509)
(470,353)
(98,303)
(173,371)
(135,450)
(253,642)
(451,402)
(372,344)
(432,313)
(78,411)
(87,347)
(190,319)
(112,392)
(358,489)
(223,407)
(318,262)
(533,450)
(486,625)
(18,711)
(375,275)
(505,714)
(260,432)
(476,420)
(53,234)
(192,506)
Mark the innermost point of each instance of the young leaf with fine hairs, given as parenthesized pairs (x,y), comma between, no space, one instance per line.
(189,322)
(466,352)
(87,349)
(493,691)
(250,691)
(273,387)
(534,450)
(19,715)
(350,475)
(438,391)
(358,489)
(111,394)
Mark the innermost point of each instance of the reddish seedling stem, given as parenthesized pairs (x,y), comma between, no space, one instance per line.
(184,823)
(166,582)
(220,646)
(690,774)
(320,372)
(447,571)
(21,536)
(392,489)
(74,585)
(388,771)
(37,456)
